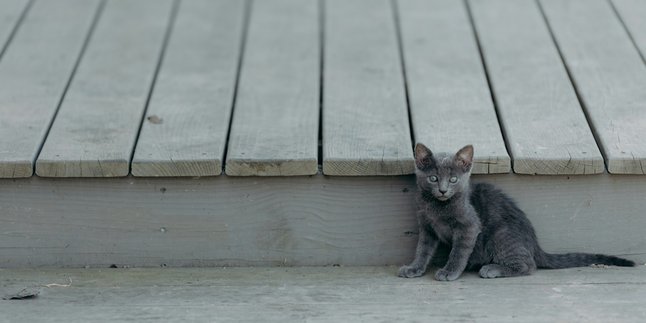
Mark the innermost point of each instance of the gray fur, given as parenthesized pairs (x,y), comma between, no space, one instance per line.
(483,227)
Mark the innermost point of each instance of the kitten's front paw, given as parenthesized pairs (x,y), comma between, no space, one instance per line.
(490,271)
(445,275)
(410,272)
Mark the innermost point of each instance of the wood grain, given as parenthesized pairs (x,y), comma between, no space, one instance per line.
(450,102)
(545,128)
(34,72)
(324,294)
(188,115)
(609,75)
(632,13)
(208,221)
(318,220)
(365,118)
(95,130)
(10,15)
(274,131)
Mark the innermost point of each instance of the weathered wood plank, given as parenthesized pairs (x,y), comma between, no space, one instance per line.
(189,111)
(10,15)
(632,13)
(95,130)
(545,128)
(318,220)
(212,220)
(365,118)
(609,75)
(34,72)
(323,294)
(449,96)
(275,121)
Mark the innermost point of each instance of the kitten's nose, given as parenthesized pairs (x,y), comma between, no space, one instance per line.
(442,191)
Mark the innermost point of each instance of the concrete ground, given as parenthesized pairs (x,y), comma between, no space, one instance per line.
(319,294)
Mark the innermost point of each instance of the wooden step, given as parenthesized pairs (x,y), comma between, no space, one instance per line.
(311,220)
(126,127)
(284,87)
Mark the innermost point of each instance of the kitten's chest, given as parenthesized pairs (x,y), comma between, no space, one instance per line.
(442,228)
(451,221)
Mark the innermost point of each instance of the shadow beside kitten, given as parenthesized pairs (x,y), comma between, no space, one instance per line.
(483,227)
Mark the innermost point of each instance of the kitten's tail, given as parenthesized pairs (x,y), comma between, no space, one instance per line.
(577,259)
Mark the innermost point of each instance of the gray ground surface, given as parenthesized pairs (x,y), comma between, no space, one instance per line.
(334,294)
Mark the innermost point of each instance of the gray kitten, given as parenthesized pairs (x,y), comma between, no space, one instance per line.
(483,227)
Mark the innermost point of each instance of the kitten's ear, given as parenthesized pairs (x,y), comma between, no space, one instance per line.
(423,156)
(464,158)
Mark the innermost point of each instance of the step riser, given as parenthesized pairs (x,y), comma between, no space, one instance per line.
(315,220)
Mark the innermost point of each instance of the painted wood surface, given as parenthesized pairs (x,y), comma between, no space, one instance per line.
(210,221)
(95,131)
(450,102)
(545,128)
(318,220)
(34,73)
(322,294)
(274,131)
(365,118)
(10,16)
(609,75)
(632,13)
(365,126)
(187,121)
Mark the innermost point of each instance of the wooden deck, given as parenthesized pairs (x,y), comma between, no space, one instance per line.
(325,97)
(321,294)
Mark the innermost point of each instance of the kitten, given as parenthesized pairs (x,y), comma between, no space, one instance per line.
(483,226)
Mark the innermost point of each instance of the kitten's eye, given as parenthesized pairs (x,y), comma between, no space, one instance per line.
(432,178)
(453,179)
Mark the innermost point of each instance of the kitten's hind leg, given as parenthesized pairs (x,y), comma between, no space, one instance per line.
(509,267)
